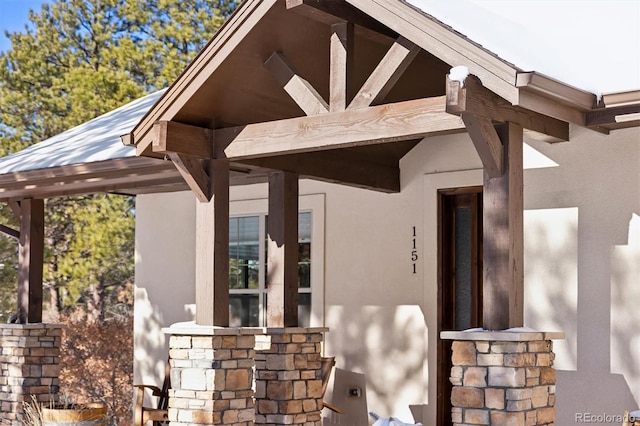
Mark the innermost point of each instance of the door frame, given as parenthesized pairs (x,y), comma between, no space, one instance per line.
(448,200)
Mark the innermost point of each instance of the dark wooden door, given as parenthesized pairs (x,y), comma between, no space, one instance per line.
(459,277)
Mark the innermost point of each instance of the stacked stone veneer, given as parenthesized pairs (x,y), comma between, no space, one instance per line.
(29,366)
(288,378)
(211,376)
(503,378)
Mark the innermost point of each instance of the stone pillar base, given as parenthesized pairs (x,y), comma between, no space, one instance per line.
(288,377)
(502,378)
(29,366)
(211,375)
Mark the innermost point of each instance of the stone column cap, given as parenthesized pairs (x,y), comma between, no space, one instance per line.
(190,328)
(295,330)
(517,334)
(31,326)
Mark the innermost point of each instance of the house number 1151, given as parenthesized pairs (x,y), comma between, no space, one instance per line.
(414,251)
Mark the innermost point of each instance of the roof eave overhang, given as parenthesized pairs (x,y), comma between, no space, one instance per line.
(228,36)
(529,90)
(128,175)
(549,96)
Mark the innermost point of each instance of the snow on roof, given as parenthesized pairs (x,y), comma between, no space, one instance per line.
(93,141)
(592,45)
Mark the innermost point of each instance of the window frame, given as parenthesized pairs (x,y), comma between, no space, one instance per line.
(313,203)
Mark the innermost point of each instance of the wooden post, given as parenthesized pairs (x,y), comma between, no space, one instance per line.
(30,260)
(212,250)
(503,241)
(282,262)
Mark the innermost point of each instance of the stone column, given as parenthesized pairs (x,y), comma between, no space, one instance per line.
(288,378)
(29,366)
(211,375)
(503,377)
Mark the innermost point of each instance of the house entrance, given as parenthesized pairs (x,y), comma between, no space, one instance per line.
(459,277)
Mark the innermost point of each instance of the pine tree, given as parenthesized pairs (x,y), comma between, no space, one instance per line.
(78,59)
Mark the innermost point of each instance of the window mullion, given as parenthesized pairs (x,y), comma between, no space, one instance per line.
(262,262)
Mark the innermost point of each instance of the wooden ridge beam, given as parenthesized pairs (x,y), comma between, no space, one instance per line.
(300,90)
(473,98)
(387,123)
(336,11)
(487,143)
(386,74)
(171,136)
(194,174)
(332,167)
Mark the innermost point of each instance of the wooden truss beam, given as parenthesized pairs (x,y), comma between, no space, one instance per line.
(487,143)
(15,207)
(171,136)
(282,260)
(341,65)
(335,168)
(10,232)
(186,146)
(387,123)
(30,260)
(503,237)
(473,98)
(300,90)
(194,174)
(386,74)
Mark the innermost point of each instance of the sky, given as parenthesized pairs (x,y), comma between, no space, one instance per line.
(14,14)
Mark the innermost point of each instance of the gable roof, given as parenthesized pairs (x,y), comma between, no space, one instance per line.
(227,85)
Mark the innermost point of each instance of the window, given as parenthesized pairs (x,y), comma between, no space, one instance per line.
(248,269)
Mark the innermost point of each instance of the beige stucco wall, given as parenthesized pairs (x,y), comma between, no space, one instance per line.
(581,270)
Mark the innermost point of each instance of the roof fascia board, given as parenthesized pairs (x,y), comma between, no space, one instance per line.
(125,165)
(621,98)
(226,39)
(444,43)
(556,90)
(121,184)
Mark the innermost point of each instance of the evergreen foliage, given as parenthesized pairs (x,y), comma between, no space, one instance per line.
(75,60)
